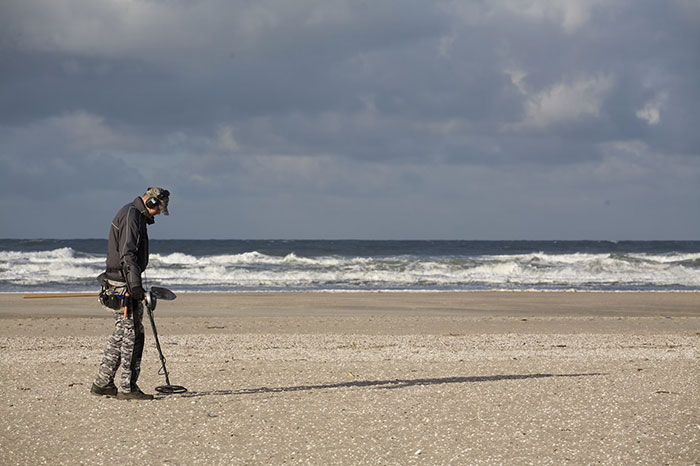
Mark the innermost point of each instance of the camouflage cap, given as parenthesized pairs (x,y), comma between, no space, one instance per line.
(162,196)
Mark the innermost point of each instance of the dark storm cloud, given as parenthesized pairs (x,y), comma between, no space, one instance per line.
(418,106)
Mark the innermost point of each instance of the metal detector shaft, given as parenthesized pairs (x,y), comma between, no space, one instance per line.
(160,352)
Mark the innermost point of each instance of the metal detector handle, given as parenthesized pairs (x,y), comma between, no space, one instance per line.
(155,336)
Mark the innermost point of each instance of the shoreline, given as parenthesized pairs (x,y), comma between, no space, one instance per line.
(375,313)
(380,291)
(668,301)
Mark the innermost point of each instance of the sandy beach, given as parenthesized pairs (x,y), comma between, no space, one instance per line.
(363,378)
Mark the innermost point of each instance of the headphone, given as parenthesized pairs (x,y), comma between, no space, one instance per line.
(153,202)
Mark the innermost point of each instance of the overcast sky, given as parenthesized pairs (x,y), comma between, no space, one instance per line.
(533,119)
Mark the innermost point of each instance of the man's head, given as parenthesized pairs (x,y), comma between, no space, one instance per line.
(156,201)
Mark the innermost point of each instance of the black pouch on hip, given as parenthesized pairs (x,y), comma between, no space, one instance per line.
(112,293)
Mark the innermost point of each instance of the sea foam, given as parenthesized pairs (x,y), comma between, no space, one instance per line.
(65,268)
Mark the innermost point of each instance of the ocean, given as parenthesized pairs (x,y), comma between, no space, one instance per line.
(52,265)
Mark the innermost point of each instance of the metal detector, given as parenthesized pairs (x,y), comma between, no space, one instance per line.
(150,300)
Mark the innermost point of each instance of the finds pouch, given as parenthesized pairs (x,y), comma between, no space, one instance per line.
(112,294)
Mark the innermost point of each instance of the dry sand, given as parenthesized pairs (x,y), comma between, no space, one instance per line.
(363,378)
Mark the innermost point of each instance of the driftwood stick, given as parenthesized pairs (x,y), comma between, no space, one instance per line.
(59,295)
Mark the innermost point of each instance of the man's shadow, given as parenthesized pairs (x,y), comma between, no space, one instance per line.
(391,384)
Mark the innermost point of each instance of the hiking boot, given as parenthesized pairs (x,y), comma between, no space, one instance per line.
(134,395)
(110,390)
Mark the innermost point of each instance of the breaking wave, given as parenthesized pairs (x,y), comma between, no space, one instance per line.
(65,268)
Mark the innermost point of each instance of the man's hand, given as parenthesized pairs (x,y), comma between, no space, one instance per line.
(138,293)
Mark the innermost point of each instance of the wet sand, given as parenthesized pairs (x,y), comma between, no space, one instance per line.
(363,378)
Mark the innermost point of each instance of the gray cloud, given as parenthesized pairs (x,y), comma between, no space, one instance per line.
(516,119)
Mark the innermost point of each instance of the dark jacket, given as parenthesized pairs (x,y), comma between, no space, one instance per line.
(127,247)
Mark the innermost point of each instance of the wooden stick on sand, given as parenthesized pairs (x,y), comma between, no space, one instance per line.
(59,295)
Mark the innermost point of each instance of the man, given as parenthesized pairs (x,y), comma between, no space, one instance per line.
(127,258)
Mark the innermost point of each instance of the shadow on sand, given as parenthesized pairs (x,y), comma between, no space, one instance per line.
(383,384)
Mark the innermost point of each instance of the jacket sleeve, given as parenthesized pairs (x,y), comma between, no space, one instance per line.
(130,239)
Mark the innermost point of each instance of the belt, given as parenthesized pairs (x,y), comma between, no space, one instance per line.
(116,283)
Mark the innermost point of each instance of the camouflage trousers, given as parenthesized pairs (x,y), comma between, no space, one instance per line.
(125,348)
